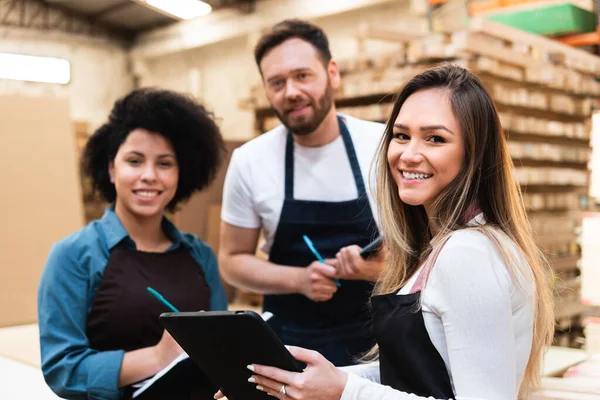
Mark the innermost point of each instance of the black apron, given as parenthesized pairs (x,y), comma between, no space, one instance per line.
(408,360)
(124,316)
(339,328)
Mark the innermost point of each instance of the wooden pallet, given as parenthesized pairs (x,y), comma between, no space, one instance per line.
(542,49)
(523,55)
(568,389)
(574,375)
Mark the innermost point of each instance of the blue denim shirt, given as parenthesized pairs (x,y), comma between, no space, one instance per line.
(71,277)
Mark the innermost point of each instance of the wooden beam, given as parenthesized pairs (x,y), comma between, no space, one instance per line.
(367,31)
(158,10)
(562,264)
(479,7)
(571,386)
(476,44)
(111,9)
(581,39)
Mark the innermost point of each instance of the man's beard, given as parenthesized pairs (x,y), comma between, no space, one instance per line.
(305,126)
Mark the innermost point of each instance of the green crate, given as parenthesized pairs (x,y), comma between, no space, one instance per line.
(548,20)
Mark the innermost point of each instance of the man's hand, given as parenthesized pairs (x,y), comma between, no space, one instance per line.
(318,284)
(350,265)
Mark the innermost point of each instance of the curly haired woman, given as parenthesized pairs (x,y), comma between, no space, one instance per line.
(99,328)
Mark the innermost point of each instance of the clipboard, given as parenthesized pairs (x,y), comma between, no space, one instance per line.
(224,343)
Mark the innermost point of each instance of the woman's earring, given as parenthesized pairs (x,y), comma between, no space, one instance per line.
(112,180)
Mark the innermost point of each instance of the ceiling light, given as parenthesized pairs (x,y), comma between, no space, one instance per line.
(34,69)
(184,9)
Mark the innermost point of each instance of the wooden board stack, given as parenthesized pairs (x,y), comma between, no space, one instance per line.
(579,382)
(92,203)
(544,92)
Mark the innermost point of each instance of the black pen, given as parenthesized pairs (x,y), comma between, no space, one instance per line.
(371,248)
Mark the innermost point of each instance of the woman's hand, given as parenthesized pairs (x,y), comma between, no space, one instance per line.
(321,380)
(166,350)
(143,363)
(220,395)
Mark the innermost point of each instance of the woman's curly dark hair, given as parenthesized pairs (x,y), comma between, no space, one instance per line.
(188,125)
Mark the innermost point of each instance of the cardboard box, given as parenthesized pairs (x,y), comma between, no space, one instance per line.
(41,200)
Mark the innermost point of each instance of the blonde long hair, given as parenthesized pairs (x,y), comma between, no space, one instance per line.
(486,179)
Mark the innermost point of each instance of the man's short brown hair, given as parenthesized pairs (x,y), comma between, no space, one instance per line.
(289,29)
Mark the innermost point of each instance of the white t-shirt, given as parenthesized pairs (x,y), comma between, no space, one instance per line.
(477,318)
(253,192)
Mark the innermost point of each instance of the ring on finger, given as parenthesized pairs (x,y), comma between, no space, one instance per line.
(282,391)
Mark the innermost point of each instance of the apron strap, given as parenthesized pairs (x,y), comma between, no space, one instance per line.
(427,267)
(358,179)
(289,167)
(349,146)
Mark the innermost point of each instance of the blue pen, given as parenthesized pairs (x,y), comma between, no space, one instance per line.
(161,299)
(312,248)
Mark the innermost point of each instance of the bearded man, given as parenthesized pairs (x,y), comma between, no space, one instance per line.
(308,176)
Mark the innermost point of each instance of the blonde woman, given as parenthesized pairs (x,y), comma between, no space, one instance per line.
(463,308)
